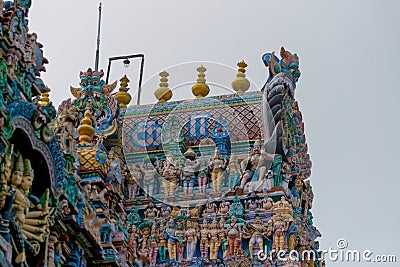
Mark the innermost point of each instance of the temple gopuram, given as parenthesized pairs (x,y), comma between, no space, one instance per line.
(208,181)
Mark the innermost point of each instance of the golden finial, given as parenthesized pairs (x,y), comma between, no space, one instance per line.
(200,89)
(86,130)
(240,84)
(45,97)
(122,96)
(163,93)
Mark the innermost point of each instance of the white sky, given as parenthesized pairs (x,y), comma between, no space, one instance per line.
(348,90)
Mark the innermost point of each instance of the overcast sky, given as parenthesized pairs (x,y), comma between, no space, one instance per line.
(348,91)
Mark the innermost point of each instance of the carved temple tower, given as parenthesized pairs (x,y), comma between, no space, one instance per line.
(209,181)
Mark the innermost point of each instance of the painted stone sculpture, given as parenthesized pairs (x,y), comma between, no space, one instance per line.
(97,183)
(217,166)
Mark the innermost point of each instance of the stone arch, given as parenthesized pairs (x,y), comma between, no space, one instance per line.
(27,143)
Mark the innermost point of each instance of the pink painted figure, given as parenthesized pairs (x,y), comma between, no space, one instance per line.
(191,240)
(153,243)
(204,239)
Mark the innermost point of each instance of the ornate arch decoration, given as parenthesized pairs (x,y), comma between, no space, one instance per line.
(41,156)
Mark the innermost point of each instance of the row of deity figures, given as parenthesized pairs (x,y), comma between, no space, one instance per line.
(24,217)
(259,172)
(217,231)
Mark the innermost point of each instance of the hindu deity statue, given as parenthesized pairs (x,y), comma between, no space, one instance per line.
(149,178)
(204,239)
(169,234)
(189,171)
(292,233)
(65,126)
(195,211)
(210,209)
(6,195)
(172,137)
(36,224)
(233,172)
(153,244)
(286,178)
(31,224)
(270,179)
(256,232)
(223,238)
(234,234)
(266,204)
(202,176)
(256,162)
(223,208)
(214,239)
(297,193)
(144,251)
(165,211)
(18,208)
(10,228)
(162,245)
(19,205)
(277,169)
(151,213)
(217,166)
(252,204)
(96,193)
(133,242)
(133,179)
(191,240)
(279,228)
(176,211)
(170,175)
(180,236)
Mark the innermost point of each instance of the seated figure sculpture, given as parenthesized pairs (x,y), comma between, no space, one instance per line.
(255,168)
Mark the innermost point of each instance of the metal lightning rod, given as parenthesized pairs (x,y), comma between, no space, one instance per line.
(96,64)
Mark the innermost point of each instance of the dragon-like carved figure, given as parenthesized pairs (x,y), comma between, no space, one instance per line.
(284,132)
(95,95)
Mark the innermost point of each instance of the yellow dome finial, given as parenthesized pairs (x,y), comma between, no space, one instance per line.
(86,130)
(122,96)
(163,93)
(45,97)
(201,89)
(240,84)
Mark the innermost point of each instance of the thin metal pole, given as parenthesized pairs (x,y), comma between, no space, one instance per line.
(96,64)
(108,70)
(140,80)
